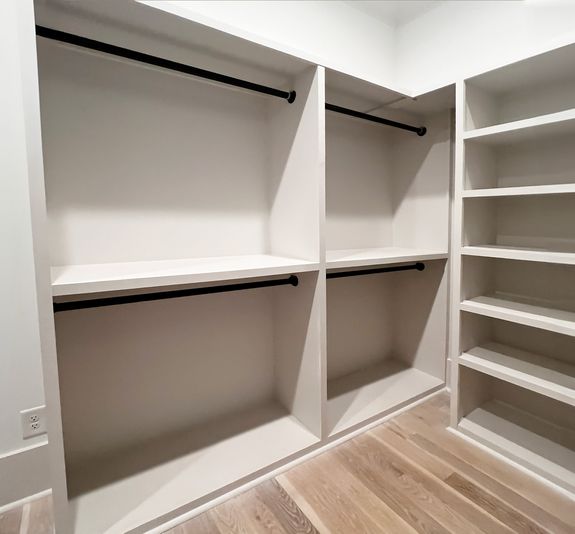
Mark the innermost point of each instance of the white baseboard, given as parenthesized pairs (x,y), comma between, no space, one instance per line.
(24,473)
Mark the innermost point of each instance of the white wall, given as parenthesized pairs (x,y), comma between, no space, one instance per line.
(20,365)
(329,33)
(453,40)
(458,39)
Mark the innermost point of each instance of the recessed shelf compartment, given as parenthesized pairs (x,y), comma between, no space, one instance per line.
(232,387)
(524,228)
(387,190)
(539,166)
(533,294)
(193,183)
(81,279)
(530,429)
(531,89)
(379,256)
(386,343)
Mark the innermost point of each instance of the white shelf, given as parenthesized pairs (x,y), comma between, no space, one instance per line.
(371,393)
(527,190)
(79,279)
(549,377)
(560,321)
(263,436)
(363,257)
(549,125)
(524,254)
(522,437)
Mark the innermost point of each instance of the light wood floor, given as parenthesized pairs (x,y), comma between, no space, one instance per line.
(407,475)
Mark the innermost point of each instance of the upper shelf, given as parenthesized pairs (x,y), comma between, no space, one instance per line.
(560,321)
(363,257)
(553,124)
(518,191)
(515,253)
(81,279)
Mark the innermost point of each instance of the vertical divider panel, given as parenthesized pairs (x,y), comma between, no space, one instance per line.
(455,260)
(296,229)
(294,171)
(26,50)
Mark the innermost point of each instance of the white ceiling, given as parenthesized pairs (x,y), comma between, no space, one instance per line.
(394,12)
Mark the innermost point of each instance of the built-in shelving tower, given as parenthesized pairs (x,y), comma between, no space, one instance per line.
(513,293)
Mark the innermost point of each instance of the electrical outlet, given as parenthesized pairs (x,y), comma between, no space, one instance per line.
(33,421)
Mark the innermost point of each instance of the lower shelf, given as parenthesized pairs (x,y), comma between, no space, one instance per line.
(368,394)
(560,321)
(223,452)
(552,378)
(524,438)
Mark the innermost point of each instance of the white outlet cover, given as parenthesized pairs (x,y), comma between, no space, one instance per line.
(33,421)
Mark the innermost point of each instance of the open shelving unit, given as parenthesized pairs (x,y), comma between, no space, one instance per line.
(513,322)
(387,206)
(215,212)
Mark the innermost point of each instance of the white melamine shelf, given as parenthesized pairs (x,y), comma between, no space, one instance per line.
(549,125)
(368,394)
(523,438)
(527,190)
(560,321)
(261,437)
(79,279)
(363,257)
(524,254)
(547,376)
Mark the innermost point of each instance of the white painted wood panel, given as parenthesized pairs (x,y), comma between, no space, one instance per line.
(560,321)
(499,427)
(553,189)
(80,279)
(374,392)
(364,257)
(551,125)
(553,378)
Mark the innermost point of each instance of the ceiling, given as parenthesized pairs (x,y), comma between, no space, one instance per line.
(392,12)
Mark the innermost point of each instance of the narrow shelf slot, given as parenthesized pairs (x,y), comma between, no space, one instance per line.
(529,190)
(547,376)
(560,321)
(524,438)
(370,393)
(363,257)
(524,254)
(81,279)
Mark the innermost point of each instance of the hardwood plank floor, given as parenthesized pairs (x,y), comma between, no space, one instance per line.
(407,475)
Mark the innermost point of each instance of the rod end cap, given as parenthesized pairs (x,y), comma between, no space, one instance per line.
(291,97)
(422,131)
(420,266)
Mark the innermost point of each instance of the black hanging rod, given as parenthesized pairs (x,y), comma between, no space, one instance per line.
(114,50)
(413,267)
(419,130)
(177,293)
